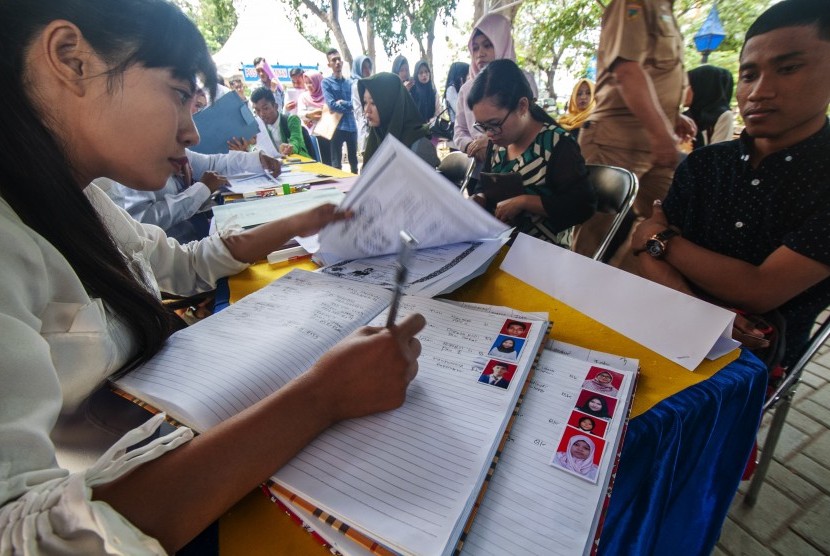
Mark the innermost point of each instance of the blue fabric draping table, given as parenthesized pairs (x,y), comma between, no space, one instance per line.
(673,488)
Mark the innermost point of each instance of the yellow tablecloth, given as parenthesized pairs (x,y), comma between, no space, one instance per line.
(659,379)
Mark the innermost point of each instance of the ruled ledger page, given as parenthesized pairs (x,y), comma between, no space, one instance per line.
(219,366)
(408,478)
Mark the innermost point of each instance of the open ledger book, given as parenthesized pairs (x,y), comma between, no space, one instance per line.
(407,478)
(533,504)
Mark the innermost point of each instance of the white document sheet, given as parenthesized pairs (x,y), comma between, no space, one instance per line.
(530,506)
(407,478)
(244,183)
(251,183)
(399,191)
(679,327)
(259,211)
(432,271)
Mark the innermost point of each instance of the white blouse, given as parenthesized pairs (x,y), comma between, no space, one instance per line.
(59,345)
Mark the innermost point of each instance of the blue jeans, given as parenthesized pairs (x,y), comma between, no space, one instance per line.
(337,140)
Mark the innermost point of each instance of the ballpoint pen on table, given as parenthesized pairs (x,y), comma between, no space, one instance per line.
(408,244)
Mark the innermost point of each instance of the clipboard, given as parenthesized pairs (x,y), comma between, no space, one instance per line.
(226,118)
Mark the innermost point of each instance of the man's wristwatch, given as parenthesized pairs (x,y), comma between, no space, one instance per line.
(658,244)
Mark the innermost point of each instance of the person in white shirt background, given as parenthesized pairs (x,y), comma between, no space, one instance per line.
(180,208)
(292,95)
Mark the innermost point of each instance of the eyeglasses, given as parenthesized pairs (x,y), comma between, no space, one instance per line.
(495,129)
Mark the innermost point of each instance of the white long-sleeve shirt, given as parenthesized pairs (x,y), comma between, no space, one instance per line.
(170,207)
(59,345)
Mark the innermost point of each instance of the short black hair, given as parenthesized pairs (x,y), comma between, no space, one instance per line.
(504,82)
(258,59)
(331,51)
(263,93)
(793,13)
(296,71)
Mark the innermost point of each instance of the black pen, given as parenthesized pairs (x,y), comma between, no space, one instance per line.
(408,244)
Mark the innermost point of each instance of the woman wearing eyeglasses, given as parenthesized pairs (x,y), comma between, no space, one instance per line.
(525,143)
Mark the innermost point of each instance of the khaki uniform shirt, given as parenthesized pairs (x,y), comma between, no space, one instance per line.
(644,31)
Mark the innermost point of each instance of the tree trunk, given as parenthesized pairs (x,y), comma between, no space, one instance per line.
(370,40)
(331,20)
(430,41)
(478,10)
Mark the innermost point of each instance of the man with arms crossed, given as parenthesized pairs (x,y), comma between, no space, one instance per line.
(747,222)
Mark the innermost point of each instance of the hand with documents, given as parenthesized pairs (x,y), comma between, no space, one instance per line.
(397,190)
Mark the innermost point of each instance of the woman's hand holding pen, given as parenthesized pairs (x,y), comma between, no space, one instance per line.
(369,370)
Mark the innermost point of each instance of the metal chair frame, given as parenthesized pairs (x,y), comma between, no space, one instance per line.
(612,201)
(779,403)
(455,161)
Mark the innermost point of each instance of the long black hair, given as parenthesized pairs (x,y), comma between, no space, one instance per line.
(456,76)
(602,412)
(505,84)
(36,174)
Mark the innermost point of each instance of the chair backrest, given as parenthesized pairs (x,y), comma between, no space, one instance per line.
(457,167)
(615,189)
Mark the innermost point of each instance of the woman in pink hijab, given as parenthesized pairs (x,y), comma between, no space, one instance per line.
(269,80)
(310,109)
(490,40)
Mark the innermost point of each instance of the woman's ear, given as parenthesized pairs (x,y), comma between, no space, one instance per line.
(524,106)
(66,57)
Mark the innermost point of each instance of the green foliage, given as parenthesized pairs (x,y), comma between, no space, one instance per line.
(216,19)
(307,27)
(736,16)
(395,21)
(554,35)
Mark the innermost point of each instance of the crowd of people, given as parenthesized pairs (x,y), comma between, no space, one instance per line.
(744,223)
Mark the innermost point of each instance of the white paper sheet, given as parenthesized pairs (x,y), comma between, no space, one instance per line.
(399,191)
(530,506)
(408,477)
(679,327)
(259,211)
(431,271)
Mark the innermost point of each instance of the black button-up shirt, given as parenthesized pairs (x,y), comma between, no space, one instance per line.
(723,204)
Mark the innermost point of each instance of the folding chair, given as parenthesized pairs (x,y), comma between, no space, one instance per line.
(779,403)
(457,167)
(615,188)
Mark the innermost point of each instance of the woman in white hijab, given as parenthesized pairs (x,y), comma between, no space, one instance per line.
(603,383)
(579,457)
